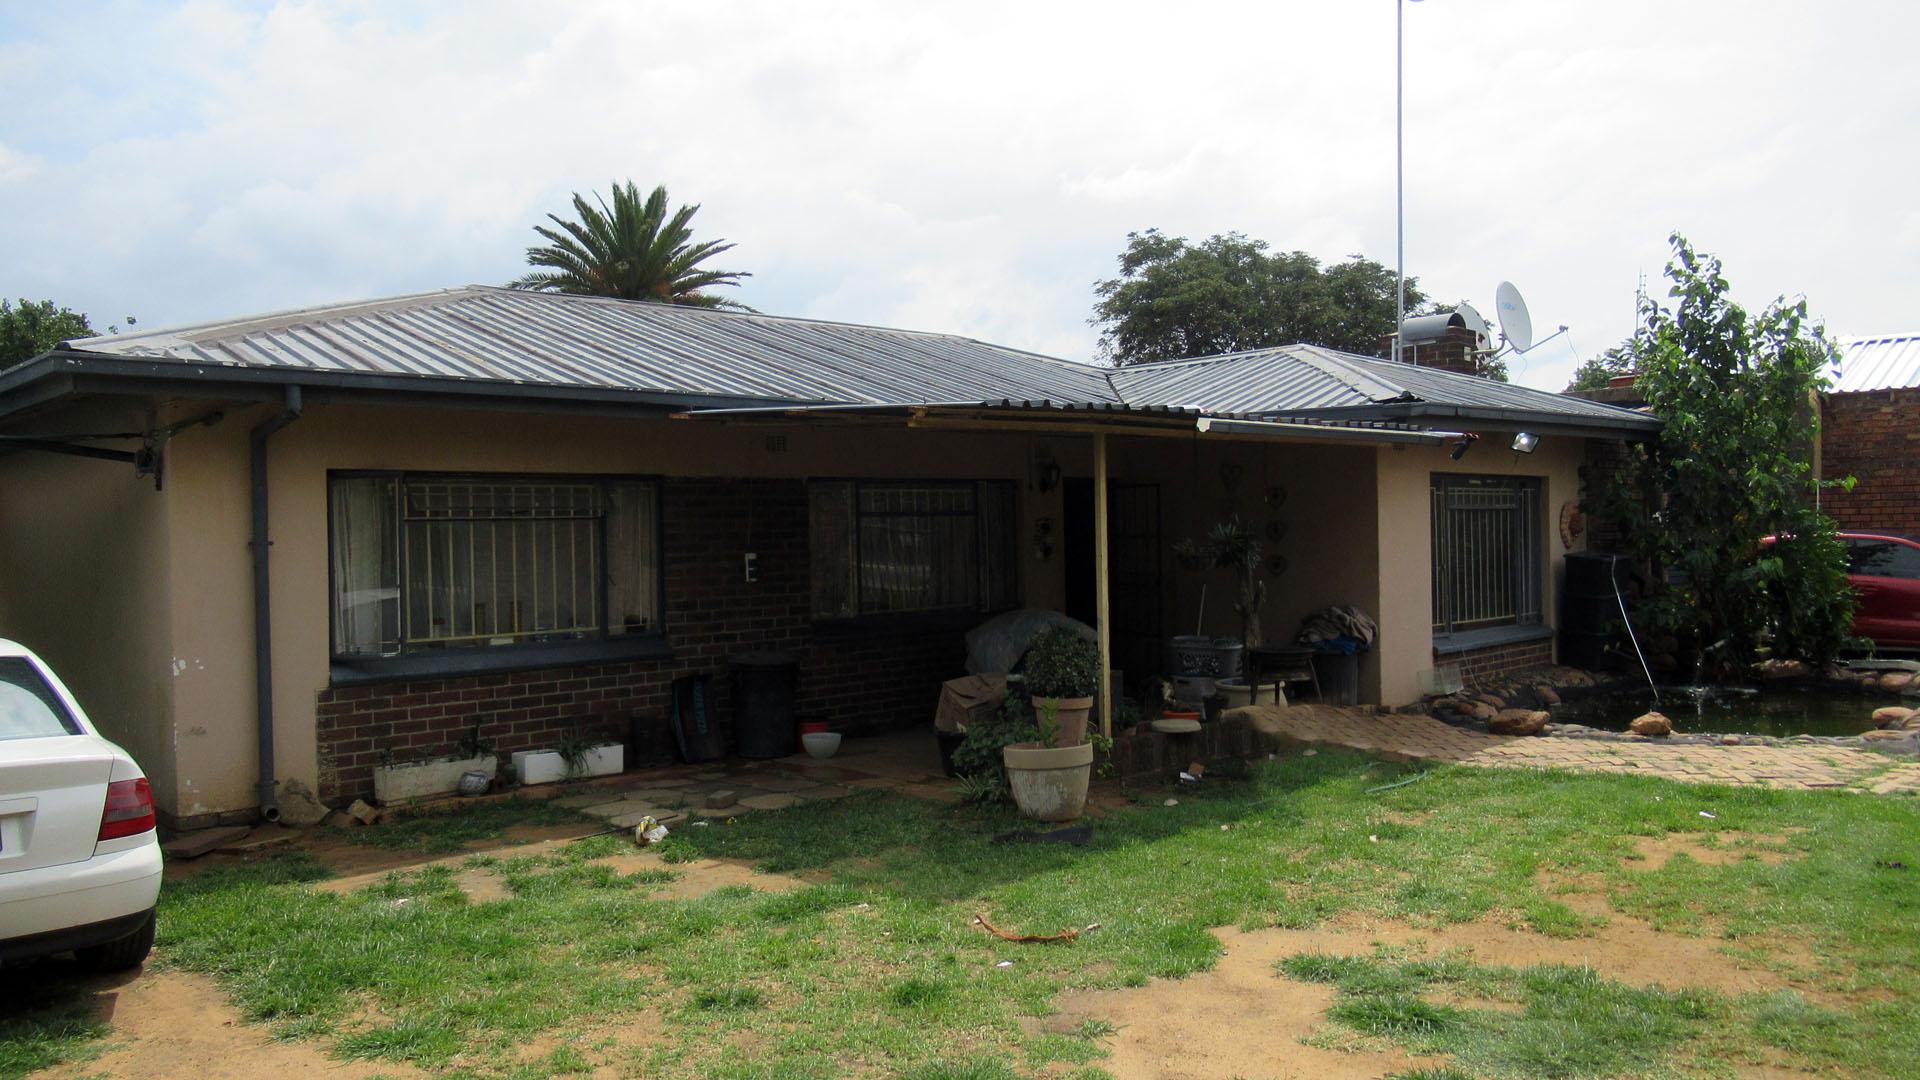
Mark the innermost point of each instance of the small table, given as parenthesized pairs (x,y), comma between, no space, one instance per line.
(1281,664)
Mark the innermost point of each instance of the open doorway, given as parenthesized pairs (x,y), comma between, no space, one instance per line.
(1134,556)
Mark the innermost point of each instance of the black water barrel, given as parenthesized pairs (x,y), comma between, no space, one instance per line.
(763,691)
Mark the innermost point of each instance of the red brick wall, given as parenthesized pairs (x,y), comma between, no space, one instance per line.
(1479,665)
(1874,437)
(856,677)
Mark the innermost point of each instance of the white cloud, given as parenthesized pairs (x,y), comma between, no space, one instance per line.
(965,167)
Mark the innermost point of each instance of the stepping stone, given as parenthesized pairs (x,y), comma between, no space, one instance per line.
(581,802)
(775,801)
(720,800)
(781,783)
(824,791)
(668,818)
(194,844)
(257,844)
(657,795)
(612,810)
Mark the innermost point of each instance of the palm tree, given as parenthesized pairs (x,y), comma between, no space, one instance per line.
(632,251)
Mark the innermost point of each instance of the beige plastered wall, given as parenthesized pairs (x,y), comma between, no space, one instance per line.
(211,575)
(1405,541)
(84,554)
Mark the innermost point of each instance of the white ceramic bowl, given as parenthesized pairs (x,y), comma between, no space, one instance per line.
(821,744)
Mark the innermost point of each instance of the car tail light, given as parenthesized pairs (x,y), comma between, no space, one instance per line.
(129,809)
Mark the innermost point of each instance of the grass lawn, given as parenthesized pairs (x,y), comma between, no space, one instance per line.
(875,969)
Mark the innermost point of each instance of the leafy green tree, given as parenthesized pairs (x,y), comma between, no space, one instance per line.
(31,328)
(1228,293)
(1731,466)
(631,250)
(1596,372)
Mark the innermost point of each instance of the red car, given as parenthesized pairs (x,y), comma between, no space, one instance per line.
(1886,572)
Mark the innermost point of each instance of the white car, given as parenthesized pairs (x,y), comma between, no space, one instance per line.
(79,851)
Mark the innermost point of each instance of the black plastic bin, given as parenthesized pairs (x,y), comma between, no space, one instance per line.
(1339,675)
(763,692)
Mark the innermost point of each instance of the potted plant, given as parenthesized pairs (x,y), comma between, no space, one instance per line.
(408,781)
(1063,671)
(1048,780)
(577,754)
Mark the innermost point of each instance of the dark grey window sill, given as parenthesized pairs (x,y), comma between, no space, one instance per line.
(1449,644)
(459,663)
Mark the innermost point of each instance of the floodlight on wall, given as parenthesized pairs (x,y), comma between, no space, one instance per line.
(1465,444)
(1524,442)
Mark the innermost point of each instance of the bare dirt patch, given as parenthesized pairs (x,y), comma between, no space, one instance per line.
(700,877)
(1238,1020)
(171,1023)
(1726,849)
(1242,1019)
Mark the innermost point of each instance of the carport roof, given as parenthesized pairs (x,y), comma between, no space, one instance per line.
(533,350)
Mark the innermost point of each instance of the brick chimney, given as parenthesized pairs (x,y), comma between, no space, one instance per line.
(1455,349)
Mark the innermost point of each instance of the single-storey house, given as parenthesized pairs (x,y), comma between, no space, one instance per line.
(285,548)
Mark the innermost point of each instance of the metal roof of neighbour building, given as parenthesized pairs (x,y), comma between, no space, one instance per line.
(505,335)
(485,340)
(1889,362)
(1307,380)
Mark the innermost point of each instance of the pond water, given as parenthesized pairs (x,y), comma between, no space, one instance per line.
(1775,711)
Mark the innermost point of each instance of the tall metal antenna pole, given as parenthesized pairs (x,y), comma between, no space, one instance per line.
(1399,175)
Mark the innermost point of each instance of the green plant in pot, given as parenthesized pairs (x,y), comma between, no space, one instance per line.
(1063,674)
(1048,776)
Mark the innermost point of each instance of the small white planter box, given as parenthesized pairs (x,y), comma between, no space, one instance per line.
(425,779)
(547,766)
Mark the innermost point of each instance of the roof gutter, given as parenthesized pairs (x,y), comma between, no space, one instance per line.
(1629,425)
(262,603)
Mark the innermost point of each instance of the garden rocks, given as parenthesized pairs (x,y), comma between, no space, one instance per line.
(1892,716)
(1652,725)
(1781,669)
(1896,681)
(1517,722)
(1547,695)
(363,812)
(1480,710)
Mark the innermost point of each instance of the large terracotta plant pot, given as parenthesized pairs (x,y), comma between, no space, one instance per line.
(1049,782)
(1070,714)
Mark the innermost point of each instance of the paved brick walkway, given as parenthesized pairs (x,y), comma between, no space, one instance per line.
(1412,736)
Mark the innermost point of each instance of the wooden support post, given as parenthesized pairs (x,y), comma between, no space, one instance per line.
(1105,618)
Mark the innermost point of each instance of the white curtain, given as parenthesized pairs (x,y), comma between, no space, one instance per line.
(366,584)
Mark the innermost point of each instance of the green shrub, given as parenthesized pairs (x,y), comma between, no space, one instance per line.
(1062,664)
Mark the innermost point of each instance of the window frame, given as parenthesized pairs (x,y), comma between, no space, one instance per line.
(1533,540)
(929,616)
(349,669)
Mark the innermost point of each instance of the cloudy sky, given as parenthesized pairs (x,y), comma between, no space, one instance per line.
(970,167)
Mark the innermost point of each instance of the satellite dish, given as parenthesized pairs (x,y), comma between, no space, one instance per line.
(1515,324)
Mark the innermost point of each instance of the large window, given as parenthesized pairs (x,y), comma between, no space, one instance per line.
(433,562)
(1486,552)
(882,548)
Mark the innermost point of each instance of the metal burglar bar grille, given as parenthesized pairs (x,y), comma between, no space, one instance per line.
(1486,552)
(492,562)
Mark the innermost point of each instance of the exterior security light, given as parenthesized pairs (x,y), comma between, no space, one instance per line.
(1525,441)
(1465,444)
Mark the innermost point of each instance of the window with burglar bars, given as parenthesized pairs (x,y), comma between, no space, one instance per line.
(881,548)
(422,563)
(1486,552)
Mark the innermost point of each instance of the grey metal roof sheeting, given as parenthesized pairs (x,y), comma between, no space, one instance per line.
(1891,362)
(496,336)
(1301,378)
(505,335)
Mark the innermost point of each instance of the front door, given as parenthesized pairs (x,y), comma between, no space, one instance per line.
(1133,551)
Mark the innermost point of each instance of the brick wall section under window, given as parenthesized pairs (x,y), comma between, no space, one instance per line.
(1480,665)
(858,678)
(1875,438)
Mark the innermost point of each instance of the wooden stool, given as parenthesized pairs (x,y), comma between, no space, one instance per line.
(1280,665)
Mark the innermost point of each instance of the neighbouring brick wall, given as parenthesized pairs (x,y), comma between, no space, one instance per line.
(858,677)
(1479,665)
(1875,438)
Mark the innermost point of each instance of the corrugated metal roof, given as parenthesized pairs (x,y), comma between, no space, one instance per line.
(485,334)
(1299,378)
(505,335)
(1890,362)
